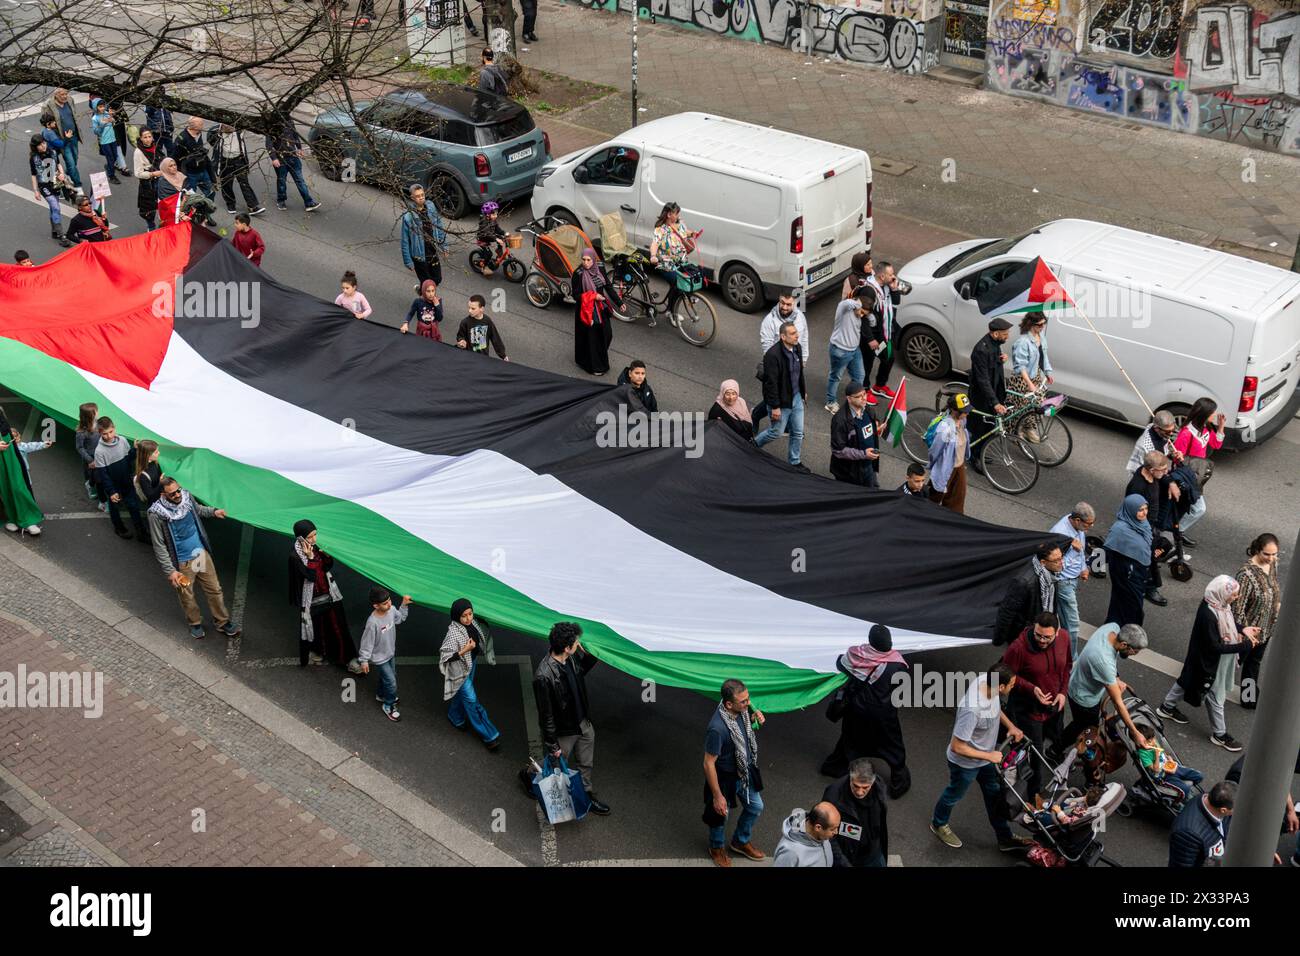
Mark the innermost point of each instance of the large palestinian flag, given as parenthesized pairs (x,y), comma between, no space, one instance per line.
(1031,288)
(441,474)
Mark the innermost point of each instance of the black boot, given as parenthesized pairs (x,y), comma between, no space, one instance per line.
(60,238)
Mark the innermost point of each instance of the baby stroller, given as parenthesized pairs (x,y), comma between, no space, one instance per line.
(1068,830)
(1150,793)
(557,251)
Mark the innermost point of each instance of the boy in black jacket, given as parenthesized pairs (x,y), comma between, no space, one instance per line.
(635,375)
(477,330)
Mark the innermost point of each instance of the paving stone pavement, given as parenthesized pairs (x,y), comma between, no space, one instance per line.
(1017,162)
(164,746)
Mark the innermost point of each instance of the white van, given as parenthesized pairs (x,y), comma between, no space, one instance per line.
(779,211)
(1185,321)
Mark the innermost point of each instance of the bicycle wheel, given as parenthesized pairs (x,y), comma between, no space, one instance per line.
(633,295)
(478,260)
(1054,439)
(1009,463)
(514,270)
(918,421)
(696,319)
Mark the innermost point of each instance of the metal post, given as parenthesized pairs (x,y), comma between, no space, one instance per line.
(1274,741)
(635,17)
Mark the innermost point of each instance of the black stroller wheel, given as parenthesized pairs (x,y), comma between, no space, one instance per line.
(1125,809)
(1181,571)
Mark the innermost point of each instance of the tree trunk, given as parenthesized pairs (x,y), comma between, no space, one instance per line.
(499,21)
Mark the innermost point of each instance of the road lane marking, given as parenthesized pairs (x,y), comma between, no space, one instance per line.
(25,193)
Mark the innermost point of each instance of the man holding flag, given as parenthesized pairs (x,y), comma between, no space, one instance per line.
(855,444)
(878,332)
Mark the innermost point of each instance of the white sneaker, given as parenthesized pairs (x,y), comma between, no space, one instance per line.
(315,658)
(32,529)
(832,407)
(10,526)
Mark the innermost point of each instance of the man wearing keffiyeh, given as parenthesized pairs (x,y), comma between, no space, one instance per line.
(181,546)
(1030,593)
(731,773)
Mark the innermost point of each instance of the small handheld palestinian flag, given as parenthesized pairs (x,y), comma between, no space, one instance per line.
(896,417)
(1031,288)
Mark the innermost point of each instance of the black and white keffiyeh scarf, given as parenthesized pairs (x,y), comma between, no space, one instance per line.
(308,632)
(738,724)
(1046,585)
(173,511)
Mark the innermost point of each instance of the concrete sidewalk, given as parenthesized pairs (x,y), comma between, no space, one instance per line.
(1016,163)
(185,765)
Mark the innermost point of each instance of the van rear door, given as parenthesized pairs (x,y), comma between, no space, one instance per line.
(1274,360)
(834,215)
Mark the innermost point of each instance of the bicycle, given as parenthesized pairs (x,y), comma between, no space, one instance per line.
(693,316)
(1007,459)
(481,258)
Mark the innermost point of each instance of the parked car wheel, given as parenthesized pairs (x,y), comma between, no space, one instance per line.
(329,158)
(448,197)
(742,288)
(1179,410)
(925,353)
(563,215)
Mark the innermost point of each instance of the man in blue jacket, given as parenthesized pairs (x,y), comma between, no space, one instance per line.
(422,237)
(1201,831)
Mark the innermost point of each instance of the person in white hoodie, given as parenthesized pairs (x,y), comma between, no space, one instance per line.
(769,330)
(807,835)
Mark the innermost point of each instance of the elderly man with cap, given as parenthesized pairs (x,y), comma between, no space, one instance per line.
(988,384)
(324,633)
(865,704)
(467,640)
(949,453)
(855,440)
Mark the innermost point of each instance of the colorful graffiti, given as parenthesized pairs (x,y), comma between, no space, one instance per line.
(866,32)
(1224,71)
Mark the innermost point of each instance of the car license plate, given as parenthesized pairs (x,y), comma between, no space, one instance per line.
(519,154)
(817,273)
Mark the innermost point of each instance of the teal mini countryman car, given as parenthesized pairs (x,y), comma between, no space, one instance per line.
(465,145)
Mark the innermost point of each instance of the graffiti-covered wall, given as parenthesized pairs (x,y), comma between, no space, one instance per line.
(1229,71)
(895,34)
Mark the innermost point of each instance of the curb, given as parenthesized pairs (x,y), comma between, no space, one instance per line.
(425,817)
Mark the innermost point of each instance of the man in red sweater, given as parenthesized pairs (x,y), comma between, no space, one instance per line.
(1041,660)
(248,240)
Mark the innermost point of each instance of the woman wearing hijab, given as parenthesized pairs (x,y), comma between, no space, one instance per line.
(1212,654)
(324,633)
(591,316)
(171,192)
(466,640)
(148,158)
(731,410)
(865,703)
(1128,558)
(859,274)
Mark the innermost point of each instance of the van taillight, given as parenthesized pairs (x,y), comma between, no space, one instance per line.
(481,165)
(546,142)
(1249,386)
(796,236)
(869,190)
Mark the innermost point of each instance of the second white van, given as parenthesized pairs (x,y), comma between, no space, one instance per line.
(1184,320)
(779,211)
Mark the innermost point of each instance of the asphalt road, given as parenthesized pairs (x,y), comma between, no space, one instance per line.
(648,752)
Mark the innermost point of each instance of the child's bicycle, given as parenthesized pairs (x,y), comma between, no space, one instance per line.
(484,256)
(1009,460)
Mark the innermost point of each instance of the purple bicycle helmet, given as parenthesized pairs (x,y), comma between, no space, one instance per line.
(490,207)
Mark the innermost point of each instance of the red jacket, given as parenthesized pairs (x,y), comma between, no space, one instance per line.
(250,245)
(1033,667)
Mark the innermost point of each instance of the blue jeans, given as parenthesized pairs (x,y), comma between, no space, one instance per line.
(108,151)
(52,201)
(1194,514)
(959,781)
(1067,609)
(465,706)
(291,166)
(749,813)
(791,418)
(841,359)
(387,672)
(1183,778)
(70,161)
(202,182)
